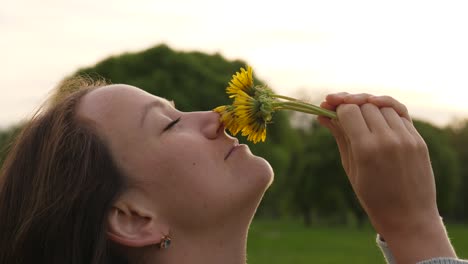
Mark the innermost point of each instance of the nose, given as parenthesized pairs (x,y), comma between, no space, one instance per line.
(210,124)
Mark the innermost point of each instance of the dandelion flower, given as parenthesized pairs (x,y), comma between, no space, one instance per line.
(241,81)
(253,107)
(228,118)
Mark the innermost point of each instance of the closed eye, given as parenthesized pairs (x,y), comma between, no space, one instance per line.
(171,124)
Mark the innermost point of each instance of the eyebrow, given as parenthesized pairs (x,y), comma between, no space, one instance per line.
(150,105)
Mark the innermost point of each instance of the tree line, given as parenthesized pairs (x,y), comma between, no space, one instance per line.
(309,181)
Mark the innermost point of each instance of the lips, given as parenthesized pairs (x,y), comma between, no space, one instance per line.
(235,144)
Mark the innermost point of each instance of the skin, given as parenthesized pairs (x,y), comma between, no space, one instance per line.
(180,183)
(388,166)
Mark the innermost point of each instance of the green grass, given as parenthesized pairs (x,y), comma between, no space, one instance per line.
(280,242)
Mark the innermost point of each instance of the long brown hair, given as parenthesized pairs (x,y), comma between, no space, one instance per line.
(56,186)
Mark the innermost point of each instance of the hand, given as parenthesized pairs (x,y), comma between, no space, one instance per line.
(388,166)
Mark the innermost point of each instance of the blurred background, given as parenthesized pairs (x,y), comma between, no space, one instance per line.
(415,51)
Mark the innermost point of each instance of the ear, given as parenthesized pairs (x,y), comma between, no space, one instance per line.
(134,227)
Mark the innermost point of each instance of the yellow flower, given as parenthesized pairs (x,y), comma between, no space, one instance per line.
(241,81)
(255,130)
(228,118)
(252,118)
(253,107)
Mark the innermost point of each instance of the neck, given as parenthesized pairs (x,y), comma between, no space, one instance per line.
(215,248)
(222,244)
(219,242)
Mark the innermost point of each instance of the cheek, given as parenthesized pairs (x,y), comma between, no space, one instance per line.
(188,184)
(188,173)
(201,176)
(189,187)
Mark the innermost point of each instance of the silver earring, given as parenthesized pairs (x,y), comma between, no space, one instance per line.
(165,242)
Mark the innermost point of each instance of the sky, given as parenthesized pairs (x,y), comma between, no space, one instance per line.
(415,51)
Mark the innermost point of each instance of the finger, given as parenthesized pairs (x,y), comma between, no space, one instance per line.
(388,101)
(342,142)
(394,121)
(413,131)
(323,120)
(332,126)
(338,133)
(328,106)
(358,99)
(352,121)
(374,118)
(336,98)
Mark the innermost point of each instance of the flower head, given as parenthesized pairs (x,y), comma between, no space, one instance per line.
(241,81)
(229,118)
(254,113)
(253,107)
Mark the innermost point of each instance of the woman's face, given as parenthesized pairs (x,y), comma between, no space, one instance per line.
(182,163)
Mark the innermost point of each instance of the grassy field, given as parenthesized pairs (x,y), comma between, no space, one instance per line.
(280,242)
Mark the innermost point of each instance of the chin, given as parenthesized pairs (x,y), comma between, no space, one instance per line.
(262,172)
(253,178)
(269,174)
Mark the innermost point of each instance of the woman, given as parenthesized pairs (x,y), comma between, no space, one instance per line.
(112,174)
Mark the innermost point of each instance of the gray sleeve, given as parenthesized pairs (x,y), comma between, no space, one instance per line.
(385,250)
(443,261)
(391,260)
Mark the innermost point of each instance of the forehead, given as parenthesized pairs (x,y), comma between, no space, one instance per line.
(115,106)
(111,97)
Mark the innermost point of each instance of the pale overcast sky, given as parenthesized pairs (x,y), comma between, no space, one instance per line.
(416,51)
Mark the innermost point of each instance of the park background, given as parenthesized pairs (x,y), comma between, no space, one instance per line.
(187,51)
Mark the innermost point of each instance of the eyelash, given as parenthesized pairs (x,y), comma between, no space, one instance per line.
(171,124)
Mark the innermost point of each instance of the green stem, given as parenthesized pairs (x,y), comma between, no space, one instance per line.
(306,108)
(308,111)
(284,97)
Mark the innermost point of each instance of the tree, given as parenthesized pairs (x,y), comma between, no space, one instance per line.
(6,139)
(197,81)
(459,140)
(319,184)
(445,164)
